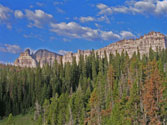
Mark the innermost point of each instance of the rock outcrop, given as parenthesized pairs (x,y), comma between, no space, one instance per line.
(154,40)
(25,60)
(40,57)
(44,56)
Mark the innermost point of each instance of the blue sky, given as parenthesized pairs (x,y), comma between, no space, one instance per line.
(69,25)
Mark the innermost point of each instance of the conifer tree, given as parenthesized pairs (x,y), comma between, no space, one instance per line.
(152,94)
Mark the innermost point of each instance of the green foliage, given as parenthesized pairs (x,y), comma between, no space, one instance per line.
(10,120)
(20,120)
(39,121)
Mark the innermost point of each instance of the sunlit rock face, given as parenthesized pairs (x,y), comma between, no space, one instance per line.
(25,60)
(70,56)
(154,40)
(40,57)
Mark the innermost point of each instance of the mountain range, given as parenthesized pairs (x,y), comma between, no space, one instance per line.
(154,40)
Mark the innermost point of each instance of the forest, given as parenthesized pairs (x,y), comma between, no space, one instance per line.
(118,90)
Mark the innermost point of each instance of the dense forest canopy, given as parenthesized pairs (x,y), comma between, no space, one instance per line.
(97,91)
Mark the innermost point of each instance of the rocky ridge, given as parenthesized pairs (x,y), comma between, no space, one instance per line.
(153,39)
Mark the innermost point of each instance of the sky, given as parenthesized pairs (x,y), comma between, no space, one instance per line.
(68,25)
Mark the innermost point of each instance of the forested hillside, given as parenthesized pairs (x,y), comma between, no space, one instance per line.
(96,91)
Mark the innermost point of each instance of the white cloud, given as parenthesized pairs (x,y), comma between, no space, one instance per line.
(103,18)
(120,9)
(104,9)
(143,7)
(75,30)
(4,13)
(127,35)
(38,17)
(109,35)
(7,48)
(102,6)
(18,14)
(153,7)
(93,19)
(86,19)
(161,7)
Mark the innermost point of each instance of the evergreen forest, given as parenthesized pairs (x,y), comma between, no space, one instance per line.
(114,90)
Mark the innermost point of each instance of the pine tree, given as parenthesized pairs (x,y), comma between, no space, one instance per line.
(94,113)
(77,107)
(63,115)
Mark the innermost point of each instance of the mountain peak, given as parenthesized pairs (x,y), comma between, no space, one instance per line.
(27,51)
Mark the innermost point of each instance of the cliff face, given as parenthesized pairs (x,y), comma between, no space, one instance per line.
(25,60)
(44,56)
(153,39)
(40,57)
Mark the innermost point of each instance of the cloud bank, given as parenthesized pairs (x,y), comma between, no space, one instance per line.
(38,17)
(145,7)
(4,13)
(75,30)
(8,48)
